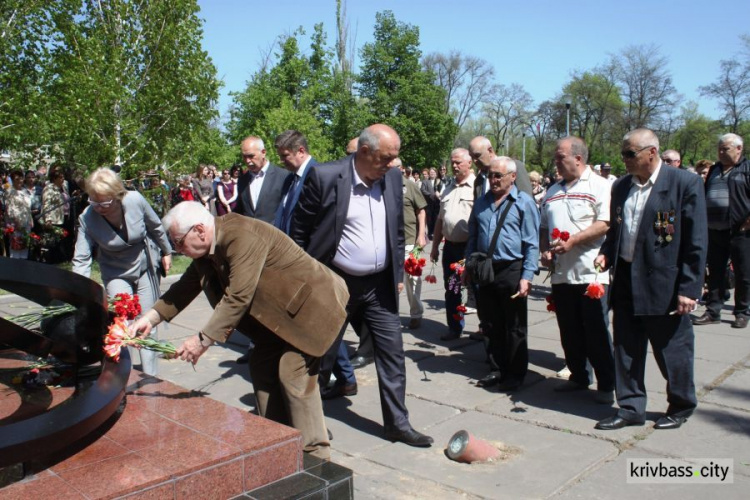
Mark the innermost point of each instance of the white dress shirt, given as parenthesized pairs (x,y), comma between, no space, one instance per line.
(633,213)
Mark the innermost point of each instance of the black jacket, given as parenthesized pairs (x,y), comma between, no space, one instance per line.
(738,181)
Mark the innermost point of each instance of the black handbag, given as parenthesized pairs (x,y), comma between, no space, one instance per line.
(479,265)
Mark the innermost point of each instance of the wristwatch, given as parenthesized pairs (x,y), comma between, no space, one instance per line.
(204,340)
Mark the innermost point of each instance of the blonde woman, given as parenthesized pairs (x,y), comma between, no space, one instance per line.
(130,244)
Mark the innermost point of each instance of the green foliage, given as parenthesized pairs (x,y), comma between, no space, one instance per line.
(122,82)
(299,92)
(400,93)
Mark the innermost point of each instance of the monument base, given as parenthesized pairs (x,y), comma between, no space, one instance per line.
(168,442)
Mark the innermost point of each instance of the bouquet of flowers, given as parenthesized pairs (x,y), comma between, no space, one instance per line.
(414,263)
(556,236)
(122,304)
(19,239)
(117,337)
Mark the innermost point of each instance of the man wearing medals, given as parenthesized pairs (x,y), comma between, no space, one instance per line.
(656,249)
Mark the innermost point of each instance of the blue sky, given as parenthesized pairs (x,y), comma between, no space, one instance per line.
(536,43)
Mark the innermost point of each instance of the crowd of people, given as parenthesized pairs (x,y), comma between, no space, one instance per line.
(273,246)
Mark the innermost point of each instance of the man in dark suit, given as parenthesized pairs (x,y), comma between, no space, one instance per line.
(260,188)
(656,246)
(350,217)
(291,147)
(482,152)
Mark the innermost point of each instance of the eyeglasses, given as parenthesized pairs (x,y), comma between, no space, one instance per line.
(181,241)
(632,154)
(225,173)
(101,204)
(669,160)
(496,175)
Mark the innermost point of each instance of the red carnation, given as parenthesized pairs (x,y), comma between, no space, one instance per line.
(564,236)
(595,290)
(555,233)
(453,266)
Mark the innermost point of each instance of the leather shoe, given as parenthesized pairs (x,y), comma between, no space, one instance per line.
(706,319)
(410,437)
(670,422)
(739,322)
(415,323)
(361,361)
(616,422)
(489,380)
(339,390)
(570,386)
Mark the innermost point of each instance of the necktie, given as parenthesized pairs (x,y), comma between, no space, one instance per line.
(288,205)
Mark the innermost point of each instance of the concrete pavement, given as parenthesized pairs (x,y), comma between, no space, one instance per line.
(549,444)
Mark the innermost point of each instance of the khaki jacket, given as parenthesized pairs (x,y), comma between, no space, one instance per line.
(253,270)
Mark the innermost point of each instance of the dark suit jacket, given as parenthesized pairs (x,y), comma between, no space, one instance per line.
(662,270)
(256,271)
(270,195)
(293,198)
(318,220)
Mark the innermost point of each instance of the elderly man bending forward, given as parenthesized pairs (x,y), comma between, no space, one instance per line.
(262,284)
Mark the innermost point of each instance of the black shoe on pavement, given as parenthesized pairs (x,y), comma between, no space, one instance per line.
(670,422)
(616,422)
(361,361)
(740,322)
(339,391)
(410,437)
(706,319)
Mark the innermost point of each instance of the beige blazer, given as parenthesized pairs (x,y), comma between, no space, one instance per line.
(255,270)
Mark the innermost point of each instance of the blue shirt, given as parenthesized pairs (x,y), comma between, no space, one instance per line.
(519,236)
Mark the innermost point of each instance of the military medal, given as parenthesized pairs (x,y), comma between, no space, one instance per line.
(657,227)
(670,226)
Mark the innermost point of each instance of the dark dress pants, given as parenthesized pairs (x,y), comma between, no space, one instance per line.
(452,252)
(584,335)
(506,321)
(672,342)
(373,300)
(722,246)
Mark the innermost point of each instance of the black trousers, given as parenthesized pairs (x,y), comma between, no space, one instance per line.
(506,321)
(672,341)
(722,246)
(372,302)
(584,334)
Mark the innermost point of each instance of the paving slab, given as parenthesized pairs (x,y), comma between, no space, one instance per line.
(712,432)
(572,412)
(610,481)
(379,481)
(733,392)
(534,453)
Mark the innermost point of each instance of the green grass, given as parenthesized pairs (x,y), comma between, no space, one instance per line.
(179,264)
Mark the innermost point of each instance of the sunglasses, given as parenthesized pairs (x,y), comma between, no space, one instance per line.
(632,154)
(101,204)
(496,175)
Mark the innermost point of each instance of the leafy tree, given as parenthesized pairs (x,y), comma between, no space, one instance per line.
(732,88)
(122,81)
(645,85)
(467,81)
(400,93)
(508,111)
(696,138)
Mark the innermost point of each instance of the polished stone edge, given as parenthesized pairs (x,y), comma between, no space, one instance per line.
(320,479)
